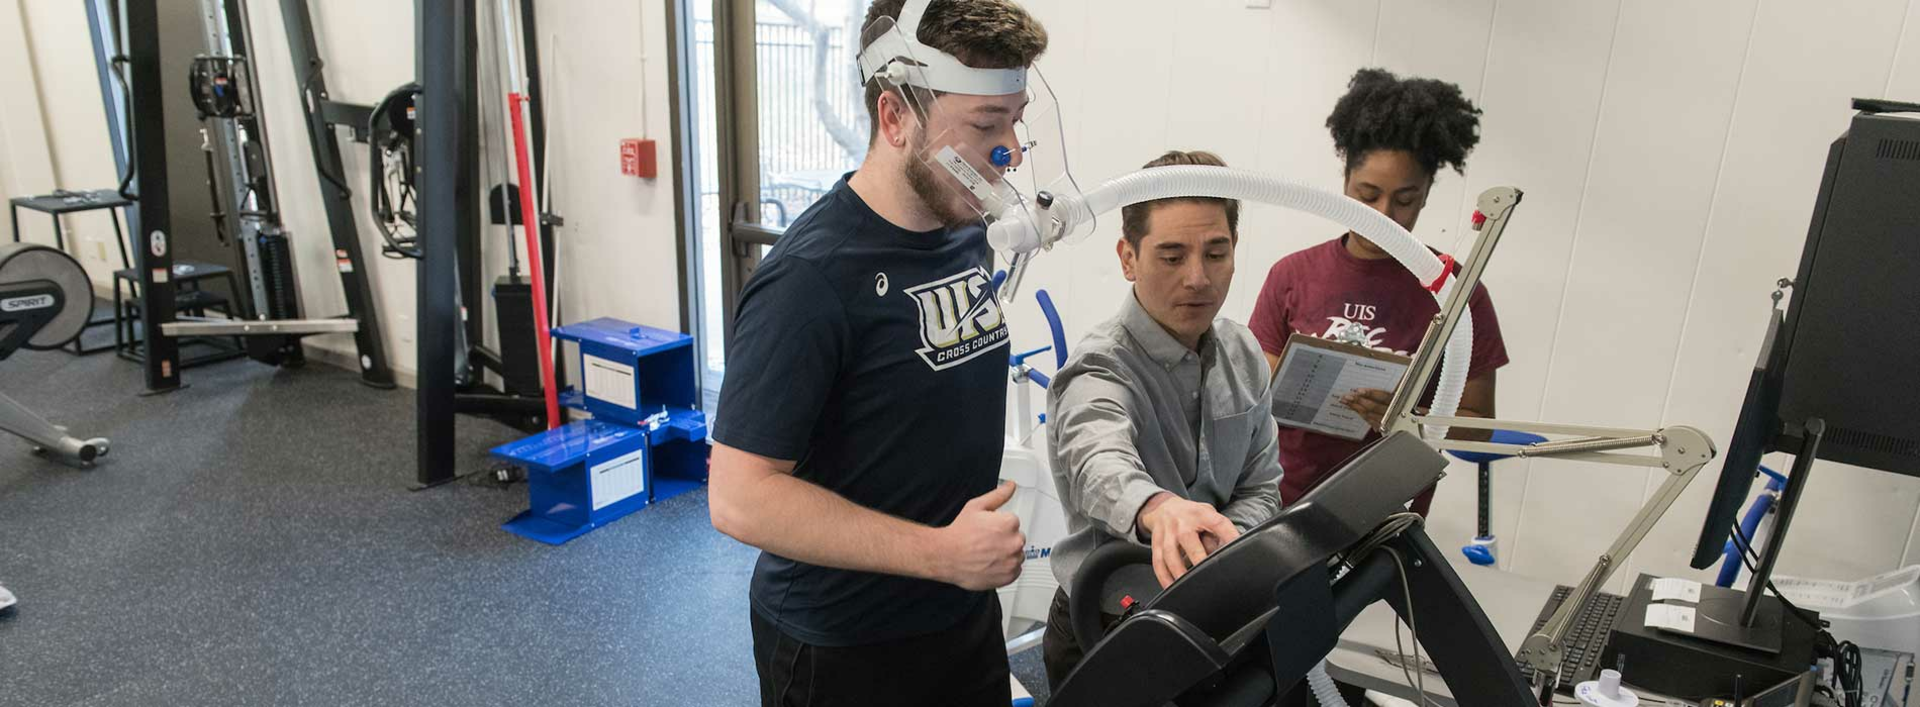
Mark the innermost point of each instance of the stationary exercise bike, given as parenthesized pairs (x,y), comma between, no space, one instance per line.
(45,300)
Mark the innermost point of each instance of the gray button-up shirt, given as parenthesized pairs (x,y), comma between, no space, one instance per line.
(1135,412)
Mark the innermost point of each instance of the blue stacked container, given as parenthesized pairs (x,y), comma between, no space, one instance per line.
(647,441)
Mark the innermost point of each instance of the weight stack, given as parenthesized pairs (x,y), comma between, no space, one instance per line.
(276,277)
(519,347)
(276,273)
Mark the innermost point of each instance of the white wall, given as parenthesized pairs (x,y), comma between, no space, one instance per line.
(1669,153)
(77,143)
(26,166)
(616,253)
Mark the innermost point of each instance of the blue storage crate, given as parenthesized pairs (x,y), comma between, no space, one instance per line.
(580,476)
(629,372)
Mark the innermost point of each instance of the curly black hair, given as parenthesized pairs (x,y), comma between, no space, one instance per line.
(1426,117)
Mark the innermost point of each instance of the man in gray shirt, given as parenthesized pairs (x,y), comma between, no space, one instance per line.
(1159,424)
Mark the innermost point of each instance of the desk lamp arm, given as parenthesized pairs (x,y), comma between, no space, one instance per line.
(1683,451)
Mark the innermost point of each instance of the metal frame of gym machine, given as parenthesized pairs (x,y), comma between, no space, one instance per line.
(450,244)
(161,323)
(224,139)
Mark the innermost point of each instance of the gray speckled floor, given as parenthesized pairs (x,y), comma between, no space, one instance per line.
(251,541)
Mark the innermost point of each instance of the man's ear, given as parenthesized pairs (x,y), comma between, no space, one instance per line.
(1128,257)
(895,116)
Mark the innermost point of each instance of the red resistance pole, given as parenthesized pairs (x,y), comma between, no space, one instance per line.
(529,218)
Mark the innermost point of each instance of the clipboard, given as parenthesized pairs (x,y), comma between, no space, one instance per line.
(1315,373)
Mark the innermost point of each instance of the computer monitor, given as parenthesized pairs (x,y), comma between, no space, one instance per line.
(1835,375)
(1848,350)
(1851,329)
(1753,436)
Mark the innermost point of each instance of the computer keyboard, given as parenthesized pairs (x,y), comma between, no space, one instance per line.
(1580,654)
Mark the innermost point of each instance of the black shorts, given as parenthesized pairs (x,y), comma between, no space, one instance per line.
(964,666)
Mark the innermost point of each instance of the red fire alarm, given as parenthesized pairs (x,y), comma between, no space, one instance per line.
(637,158)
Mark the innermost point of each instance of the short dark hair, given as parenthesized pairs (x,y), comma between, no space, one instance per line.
(1133,217)
(1426,117)
(983,34)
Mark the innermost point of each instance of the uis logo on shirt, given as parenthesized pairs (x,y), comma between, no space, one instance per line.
(959,319)
(1351,326)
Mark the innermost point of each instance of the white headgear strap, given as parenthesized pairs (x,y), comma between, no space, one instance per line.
(900,58)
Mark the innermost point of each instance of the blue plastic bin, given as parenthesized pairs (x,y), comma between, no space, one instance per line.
(580,476)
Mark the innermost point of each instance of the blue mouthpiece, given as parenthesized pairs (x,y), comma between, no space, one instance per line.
(1001,156)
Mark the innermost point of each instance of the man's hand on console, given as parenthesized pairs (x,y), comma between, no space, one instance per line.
(1182,533)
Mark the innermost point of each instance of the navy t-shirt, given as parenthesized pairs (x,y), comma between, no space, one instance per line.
(875,357)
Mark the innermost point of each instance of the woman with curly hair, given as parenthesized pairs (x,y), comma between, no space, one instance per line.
(1394,136)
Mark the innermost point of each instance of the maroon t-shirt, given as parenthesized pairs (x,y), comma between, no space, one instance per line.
(1325,291)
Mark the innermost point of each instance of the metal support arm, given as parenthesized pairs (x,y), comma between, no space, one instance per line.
(1496,207)
(1682,452)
